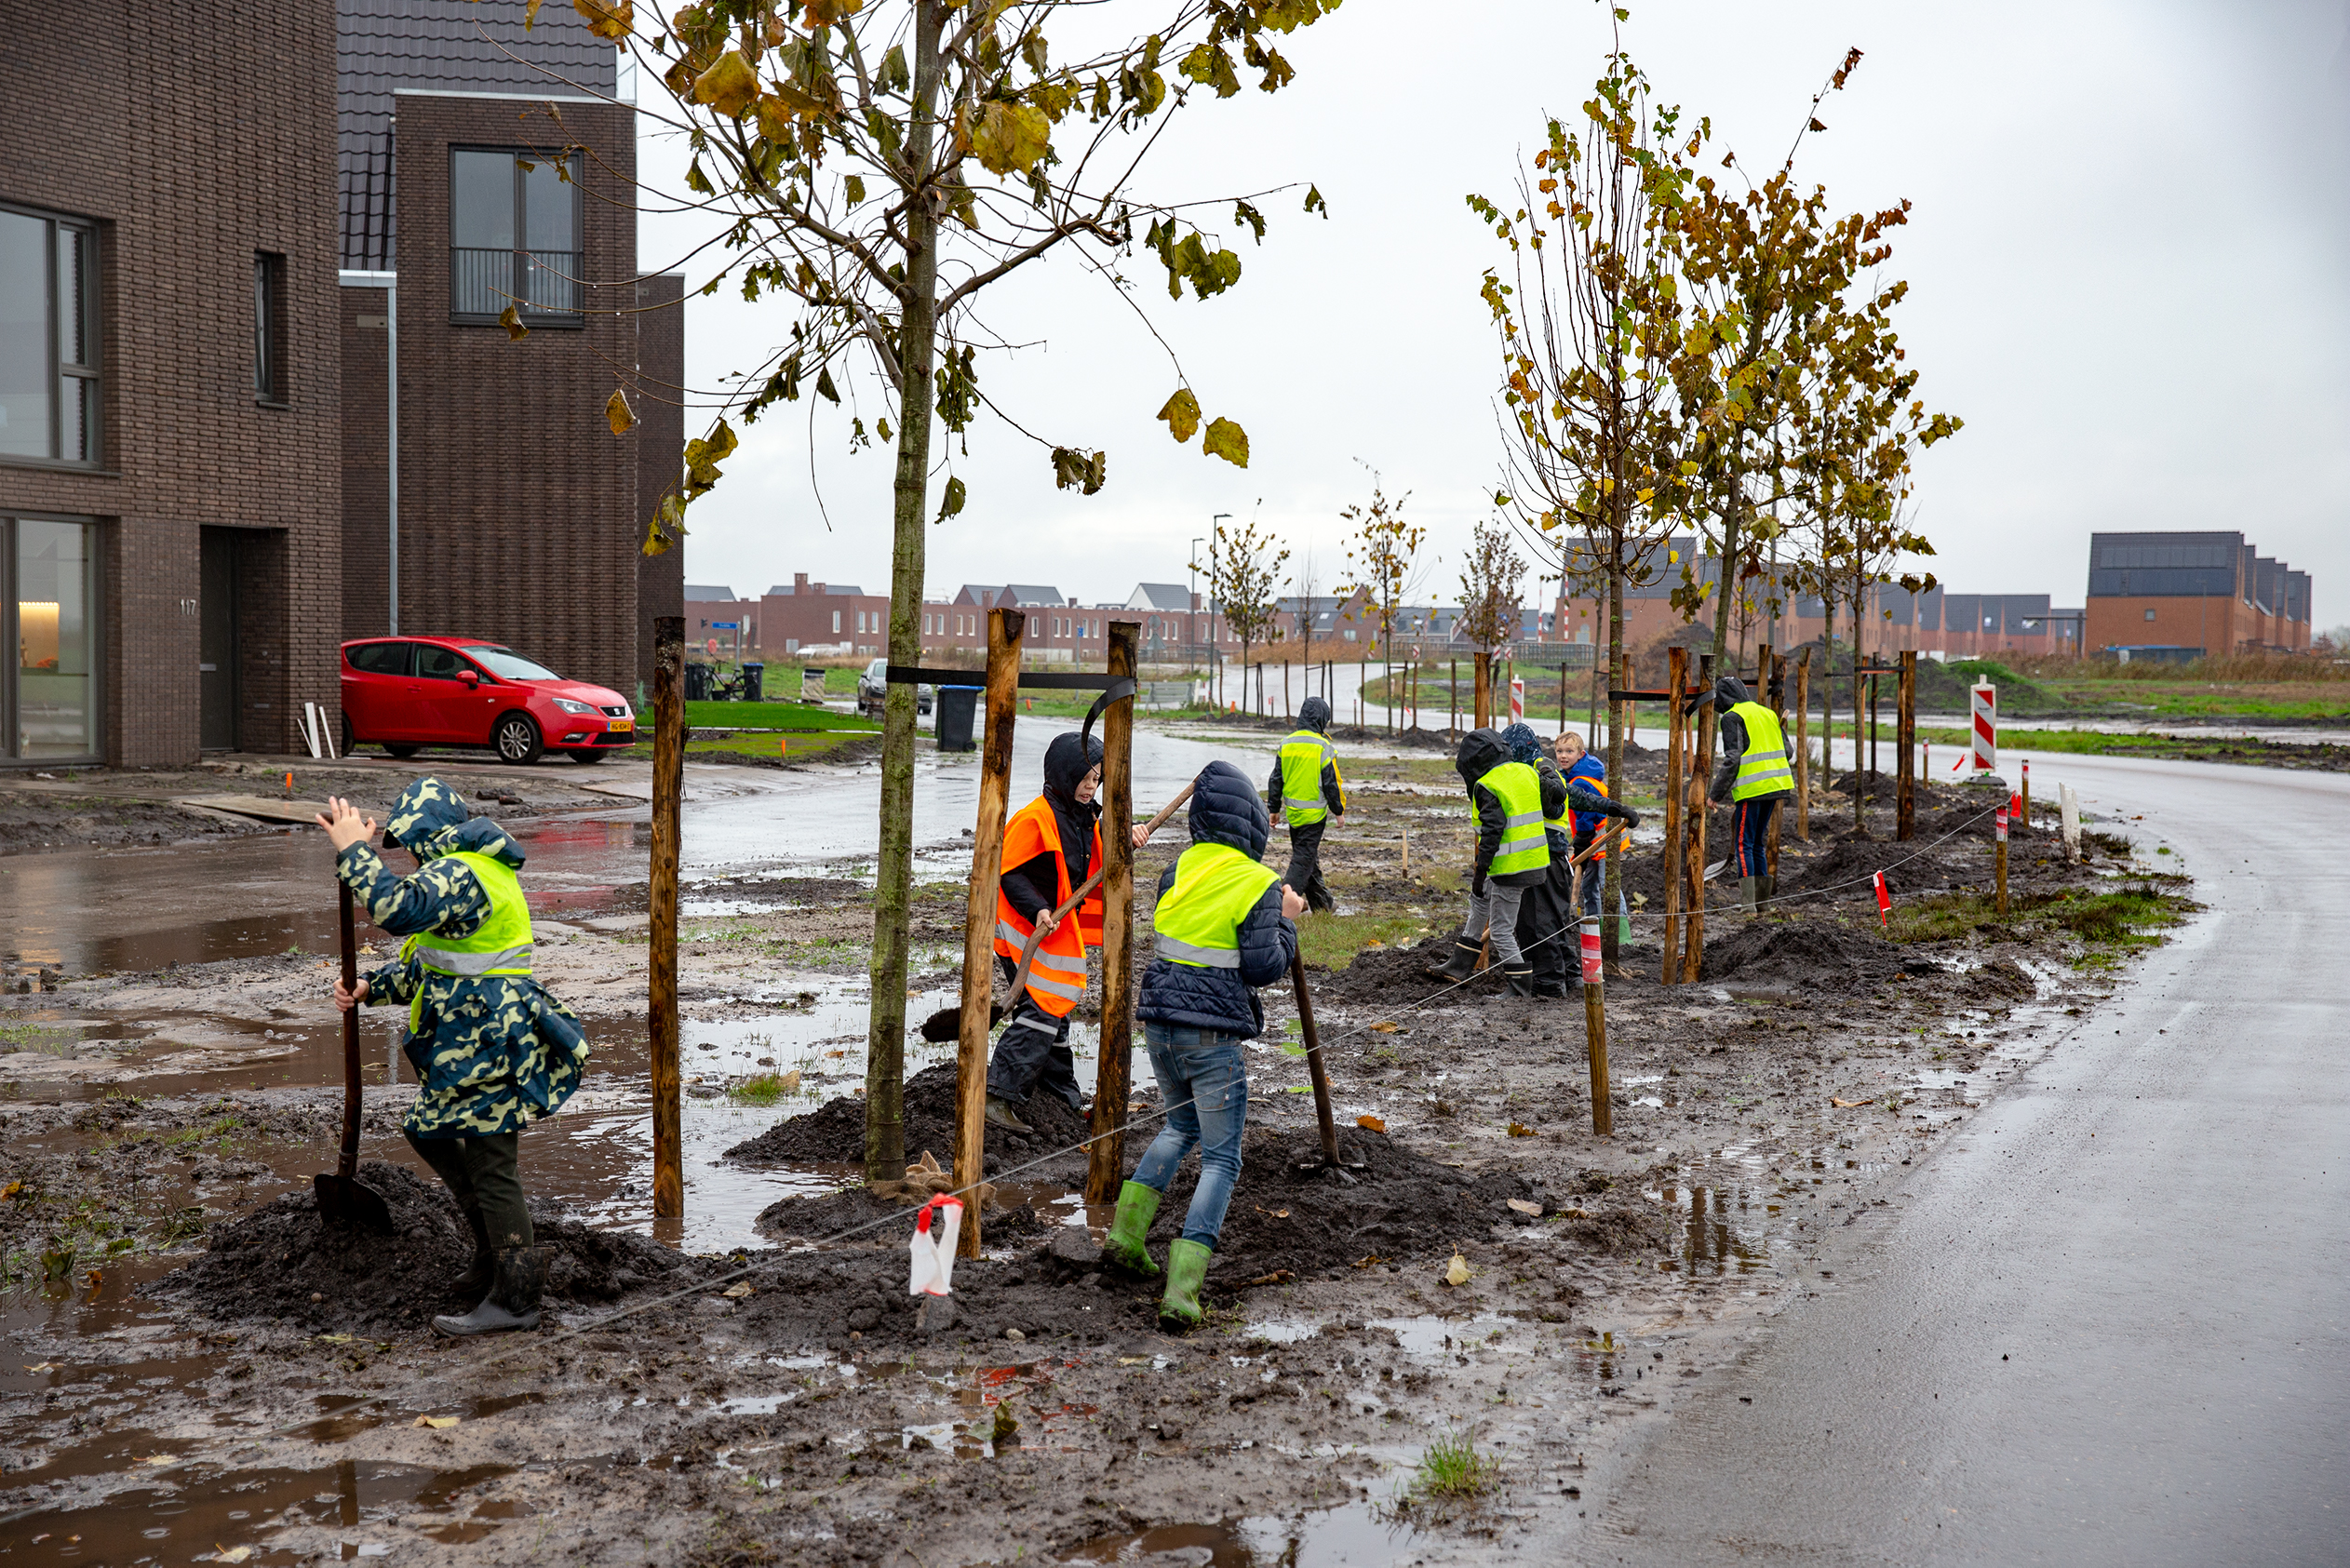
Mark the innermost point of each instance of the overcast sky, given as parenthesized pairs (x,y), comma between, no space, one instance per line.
(2130,259)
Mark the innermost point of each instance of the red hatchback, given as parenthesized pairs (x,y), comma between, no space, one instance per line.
(402,693)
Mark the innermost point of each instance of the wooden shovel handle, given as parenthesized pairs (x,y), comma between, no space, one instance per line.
(1028,953)
(347,1160)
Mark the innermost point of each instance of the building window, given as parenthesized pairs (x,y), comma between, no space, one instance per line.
(836,622)
(269,327)
(48,339)
(2150,614)
(52,700)
(514,237)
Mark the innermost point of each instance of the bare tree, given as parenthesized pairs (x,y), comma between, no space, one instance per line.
(1380,554)
(1248,578)
(1489,607)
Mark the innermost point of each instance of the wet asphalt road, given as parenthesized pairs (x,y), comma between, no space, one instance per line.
(2110,1324)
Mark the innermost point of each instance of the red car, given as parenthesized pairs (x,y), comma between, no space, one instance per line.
(402,693)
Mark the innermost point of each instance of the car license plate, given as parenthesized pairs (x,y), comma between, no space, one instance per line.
(619,726)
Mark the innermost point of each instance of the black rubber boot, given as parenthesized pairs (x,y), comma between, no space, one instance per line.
(1554,988)
(1463,965)
(512,1302)
(1001,1114)
(469,1285)
(1520,981)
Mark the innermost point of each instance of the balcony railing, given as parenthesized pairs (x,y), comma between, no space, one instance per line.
(483,283)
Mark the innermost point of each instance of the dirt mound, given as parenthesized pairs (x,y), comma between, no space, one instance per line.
(2001,980)
(834,1131)
(1814,956)
(1846,870)
(281,1261)
(1394,977)
(1971,818)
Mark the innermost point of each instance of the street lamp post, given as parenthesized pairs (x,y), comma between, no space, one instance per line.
(1214,648)
(1191,612)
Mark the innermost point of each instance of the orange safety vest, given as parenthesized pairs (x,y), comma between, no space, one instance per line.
(1057,977)
(1605,829)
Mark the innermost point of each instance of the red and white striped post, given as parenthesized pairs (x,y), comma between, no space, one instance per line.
(1595,1025)
(1986,716)
(1517,700)
(1999,827)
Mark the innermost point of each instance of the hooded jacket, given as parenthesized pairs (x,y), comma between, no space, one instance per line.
(1031,887)
(493,1053)
(1728,691)
(1481,752)
(1224,811)
(1312,714)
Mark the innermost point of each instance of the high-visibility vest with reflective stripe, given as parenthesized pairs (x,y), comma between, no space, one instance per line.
(1763,769)
(500,945)
(1524,845)
(1057,978)
(1302,757)
(1199,921)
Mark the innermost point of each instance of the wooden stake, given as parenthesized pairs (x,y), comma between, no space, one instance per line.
(1595,1027)
(1905,719)
(1407,852)
(1676,735)
(1452,699)
(1702,771)
(1313,1059)
(661,990)
(1482,674)
(1106,1159)
(1999,863)
(1004,629)
(1802,746)
(1774,674)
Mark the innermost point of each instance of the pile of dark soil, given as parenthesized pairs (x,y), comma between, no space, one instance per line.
(1814,956)
(282,1262)
(835,1132)
(1846,870)
(2000,980)
(1394,977)
(1970,818)
(1884,788)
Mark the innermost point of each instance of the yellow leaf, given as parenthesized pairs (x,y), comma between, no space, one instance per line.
(1457,1271)
(1228,441)
(230,1554)
(1371,1123)
(530,14)
(1383,1027)
(1849,1105)
(737,1290)
(1520,1130)
(731,86)
(437,1422)
(156,1459)
(608,19)
(1182,414)
(334,1339)
(511,319)
(1008,137)
(1526,1206)
(617,412)
(823,13)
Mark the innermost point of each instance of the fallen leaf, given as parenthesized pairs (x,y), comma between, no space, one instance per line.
(1371,1123)
(737,1290)
(1457,1271)
(437,1422)
(1849,1105)
(1367,1262)
(334,1339)
(230,1554)
(1383,1027)
(1278,1277)
(1520,1130)
(156,1459)
(45,1366)
(1524,1207)
(1131,1361)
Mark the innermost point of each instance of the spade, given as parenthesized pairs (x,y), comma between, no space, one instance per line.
(342,1198)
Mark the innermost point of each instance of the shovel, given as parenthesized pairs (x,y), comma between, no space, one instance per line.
(1331,1160)
(342,1199)
(947,1021)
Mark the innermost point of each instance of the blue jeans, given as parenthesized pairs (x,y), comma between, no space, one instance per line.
(1204,1079)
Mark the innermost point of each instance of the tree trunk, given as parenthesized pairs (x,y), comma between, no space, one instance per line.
(1859,780)
(885,1028)
(1612,885)
(1480,668)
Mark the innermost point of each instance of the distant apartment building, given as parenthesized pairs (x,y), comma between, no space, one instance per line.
(822,618)
(717,624)
(2183,595)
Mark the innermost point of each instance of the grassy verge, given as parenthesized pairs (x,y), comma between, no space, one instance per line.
(2109,926)
(1332,941)
(769,716)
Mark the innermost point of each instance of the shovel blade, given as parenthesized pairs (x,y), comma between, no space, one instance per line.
(947,1024)
(345,1200)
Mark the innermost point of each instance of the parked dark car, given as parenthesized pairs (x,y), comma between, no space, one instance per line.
(873,689)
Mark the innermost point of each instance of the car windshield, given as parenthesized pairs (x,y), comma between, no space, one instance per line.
(507,664)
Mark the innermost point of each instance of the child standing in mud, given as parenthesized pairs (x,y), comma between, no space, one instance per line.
(492,1049)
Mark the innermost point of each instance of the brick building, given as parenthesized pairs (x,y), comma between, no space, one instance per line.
(713,614)
(169,397)
(2178,594)
(804,617)
(483,166)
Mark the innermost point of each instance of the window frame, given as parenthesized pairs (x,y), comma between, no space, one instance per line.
(562,319)
(93,620)
(88,378)
(270,390)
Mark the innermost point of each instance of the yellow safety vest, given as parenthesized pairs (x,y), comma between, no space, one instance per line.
(501,945)
(1302,757)
(1524,846)
(1199,921)
(1763,769)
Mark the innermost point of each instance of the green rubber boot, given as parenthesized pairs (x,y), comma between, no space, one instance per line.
(1187,1266)
(1125,1244)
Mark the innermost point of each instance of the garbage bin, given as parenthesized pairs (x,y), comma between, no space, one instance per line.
(956,705)
(754,675)
(697,682)
(811,683)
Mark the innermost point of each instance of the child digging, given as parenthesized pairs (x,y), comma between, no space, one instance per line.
(1224,926)
(492,1050)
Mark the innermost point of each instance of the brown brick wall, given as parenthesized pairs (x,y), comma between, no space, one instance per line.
(195,133)
(366,541)
(518,507)
(2213,624)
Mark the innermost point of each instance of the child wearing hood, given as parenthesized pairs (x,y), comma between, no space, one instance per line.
(1224,926)
(492,1050)
(1308,794)
(1546,912)
(1049,847)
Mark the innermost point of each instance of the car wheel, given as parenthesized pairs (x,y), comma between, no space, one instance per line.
(517,740)
(403,753)
(344,741)
(588,755)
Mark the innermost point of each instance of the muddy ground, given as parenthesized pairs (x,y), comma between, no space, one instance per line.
(202,1358)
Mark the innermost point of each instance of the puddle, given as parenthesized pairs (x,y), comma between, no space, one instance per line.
(1439,1336)
(1350,1537)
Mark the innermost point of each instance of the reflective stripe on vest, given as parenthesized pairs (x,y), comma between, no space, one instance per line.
(1302,757)
(1199,920)
(1056,976)
(1764,769)
(501,945)
(1524,846)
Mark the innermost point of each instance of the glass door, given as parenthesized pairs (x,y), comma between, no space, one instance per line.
(53,707)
